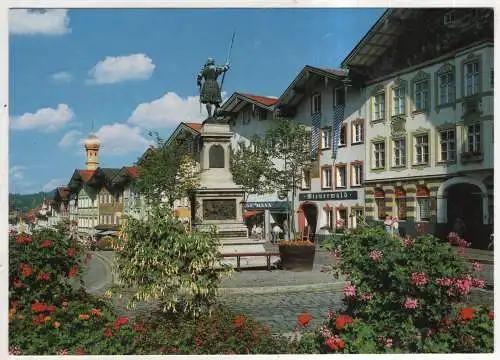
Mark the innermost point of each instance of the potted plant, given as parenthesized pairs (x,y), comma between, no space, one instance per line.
(297,255)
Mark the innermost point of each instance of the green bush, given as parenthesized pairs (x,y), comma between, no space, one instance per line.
(400,289)
(163,261)
(105,243)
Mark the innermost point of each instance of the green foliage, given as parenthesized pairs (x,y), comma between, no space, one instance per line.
(105,243)
(163,261)
(400,289)
(168,169)
(24,202)
(275,161)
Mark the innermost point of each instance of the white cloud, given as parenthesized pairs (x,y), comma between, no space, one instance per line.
(121,68)
(69,139)
(62,77)
(39,22)
(327,35)
(168,111)
(46,119)
(53,183)
(17,172)
(120,139)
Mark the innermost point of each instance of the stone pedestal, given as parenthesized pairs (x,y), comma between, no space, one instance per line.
(219,199)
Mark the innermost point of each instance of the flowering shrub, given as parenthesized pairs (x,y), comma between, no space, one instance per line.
(161,261)
(400,289)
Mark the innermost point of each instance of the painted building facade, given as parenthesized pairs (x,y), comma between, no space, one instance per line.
(331,195)
(429,110)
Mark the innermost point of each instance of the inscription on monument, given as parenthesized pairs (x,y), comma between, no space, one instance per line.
(216,157)
(219,209)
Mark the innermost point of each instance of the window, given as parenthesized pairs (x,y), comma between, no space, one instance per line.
(341,176)
(448,145)
(400,197)
(474,138)
(326,138)
(399,100)
(379,155)
(424,208)
(422,95)
(471,78)
(399,152)
(306,179)
(357,215)
(341,217)
(339,96)
(380,203)
(356,174)
(246,115)
(343,136)
(261,114)
(379,106)
(326,174)
(446,88)
(357,132)
(448,18)
(421,149)
(315,103)
(329,218)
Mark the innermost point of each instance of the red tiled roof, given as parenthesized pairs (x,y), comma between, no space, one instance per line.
(132,170)
(194,126)
(86,174)
(265,100)
(338,72)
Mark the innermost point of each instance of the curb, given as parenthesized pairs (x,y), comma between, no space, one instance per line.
(338,285)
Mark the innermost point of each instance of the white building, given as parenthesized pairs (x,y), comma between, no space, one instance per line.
(428,96)
(332,195)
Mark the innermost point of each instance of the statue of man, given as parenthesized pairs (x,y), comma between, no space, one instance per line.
(209,89)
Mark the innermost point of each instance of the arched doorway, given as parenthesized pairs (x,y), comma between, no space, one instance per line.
(308,219)
(465,209)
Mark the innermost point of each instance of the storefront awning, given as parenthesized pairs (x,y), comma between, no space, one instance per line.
(250,213)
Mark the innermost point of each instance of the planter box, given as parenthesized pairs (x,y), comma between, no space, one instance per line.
(297,258)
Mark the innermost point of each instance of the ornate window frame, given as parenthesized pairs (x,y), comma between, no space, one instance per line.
(322,178)
(418,132)
(399,83)
(421,76)
(445,127)
(335,176)
(377,140)
(471,58)
(392,155)
(352,168)
(380,89)
(321,132)
(354,123)
(446,68)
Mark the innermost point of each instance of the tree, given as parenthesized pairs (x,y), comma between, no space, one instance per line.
(274,161)
(168,171)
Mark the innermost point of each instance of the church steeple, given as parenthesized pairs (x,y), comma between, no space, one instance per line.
(92,145)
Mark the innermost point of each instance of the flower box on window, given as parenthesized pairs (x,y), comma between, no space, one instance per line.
(471,156)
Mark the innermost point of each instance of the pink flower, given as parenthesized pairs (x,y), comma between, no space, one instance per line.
(408,241)
(388,343)
(445,281)
(411,303)
(463,286)
(325,331)
(350,290)
(478,283)
(366,296)
(375,255)
(477,266)
(418,279)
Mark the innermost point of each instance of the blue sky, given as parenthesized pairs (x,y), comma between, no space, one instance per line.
(126,71)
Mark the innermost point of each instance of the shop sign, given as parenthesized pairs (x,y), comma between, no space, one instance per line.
(271,205)
(333,195)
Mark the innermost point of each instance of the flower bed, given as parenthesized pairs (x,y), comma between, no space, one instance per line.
(297,255)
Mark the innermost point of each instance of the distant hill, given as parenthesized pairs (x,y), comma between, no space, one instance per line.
(24,202)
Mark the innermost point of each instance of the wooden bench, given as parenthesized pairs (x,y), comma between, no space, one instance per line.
(238,257)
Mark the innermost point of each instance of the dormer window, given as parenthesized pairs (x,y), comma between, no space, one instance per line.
(316,103)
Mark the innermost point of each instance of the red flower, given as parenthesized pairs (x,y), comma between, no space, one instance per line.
(26,270)
(83,316)
(96,312)
(138,326)
(330,342)
(162,350)
(304,319)
(121,321)
(239,321)
(342,320)
(46,243)
(80,351)
(73,271)
(23,239)
(43,276)
(18,284)
(38,307)
(108,332)
(56,324)
(467,314)
(340,343)
(174,349)
(490,315)
(51,308)
(421,228)
(71,252)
